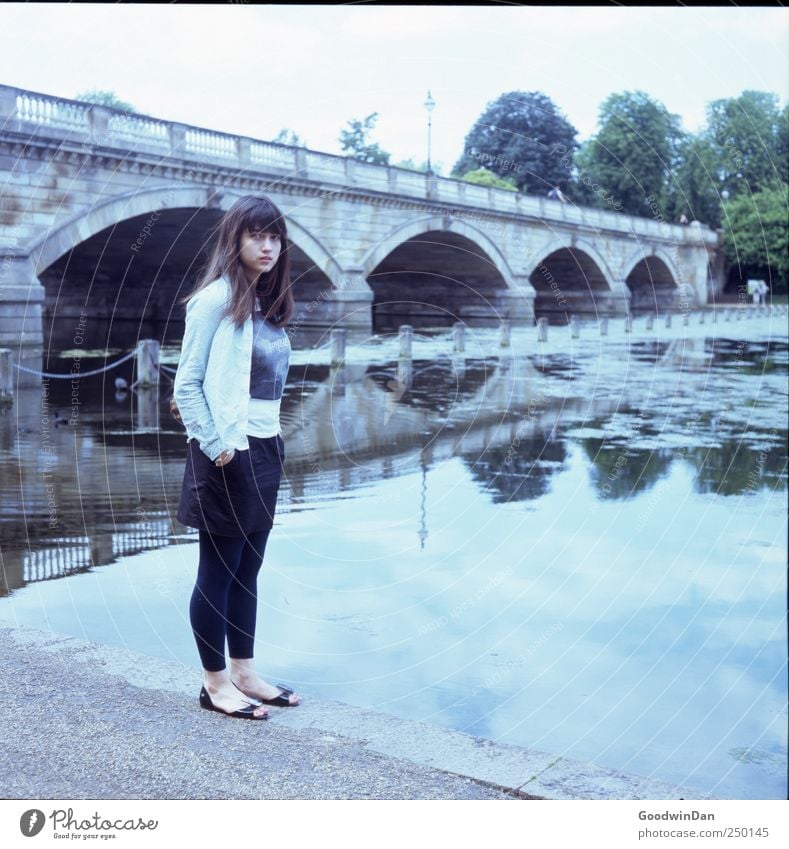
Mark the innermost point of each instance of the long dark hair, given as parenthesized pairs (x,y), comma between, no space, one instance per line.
(273,289)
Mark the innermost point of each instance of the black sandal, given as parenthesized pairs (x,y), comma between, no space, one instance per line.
(244,713)
(281,700)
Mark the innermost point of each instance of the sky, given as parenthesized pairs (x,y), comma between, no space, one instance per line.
(252,70)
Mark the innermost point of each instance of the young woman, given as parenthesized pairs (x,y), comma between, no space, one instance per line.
(230,377)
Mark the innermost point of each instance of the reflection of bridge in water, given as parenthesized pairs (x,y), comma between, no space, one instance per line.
(113,487)
(60,557)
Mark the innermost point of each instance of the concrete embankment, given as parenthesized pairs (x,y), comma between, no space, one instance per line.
(88,721)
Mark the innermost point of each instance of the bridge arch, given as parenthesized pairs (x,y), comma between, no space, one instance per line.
(80,227)
(131,258)
(571,276)
(565,243)
(437,223)
(652,278)
(113,212)
(436,270)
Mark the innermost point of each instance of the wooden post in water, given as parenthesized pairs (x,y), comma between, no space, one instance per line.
(628,324)
(575,326)
(147,363)
(685,319)
(668,319)
(504,338)
(650,321)
(146,416)
(338,336)
(542,329)
(701,317)
(406,340)
(6,378)
(604,326)
(405,363)
(459,337)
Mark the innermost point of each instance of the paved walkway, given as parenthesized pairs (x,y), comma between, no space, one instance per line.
(86,721)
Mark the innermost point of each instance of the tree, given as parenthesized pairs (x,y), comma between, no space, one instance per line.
(483,177)
(584,191)
(756,234)
(742,150)
(783,142)
(521,136)
(104,97)
(631,156)
(749,134)
(693,187)
(355,141)
(288,136)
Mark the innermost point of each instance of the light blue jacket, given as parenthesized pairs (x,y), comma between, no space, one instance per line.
(211,386)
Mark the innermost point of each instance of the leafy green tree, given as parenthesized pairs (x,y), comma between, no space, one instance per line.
(355,141)
(743,149)
(631,157)
(693,188)
(783,143)
(583,190)
(104,97)
(523,137)
(749,135)
(484,177)
(288,136)
(756,232)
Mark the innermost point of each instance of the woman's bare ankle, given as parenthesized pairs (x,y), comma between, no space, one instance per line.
(242,671)
(216,681)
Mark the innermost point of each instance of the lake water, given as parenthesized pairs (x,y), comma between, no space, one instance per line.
(577,546)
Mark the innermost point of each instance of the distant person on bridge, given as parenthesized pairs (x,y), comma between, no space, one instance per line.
(234,361)
(556,194)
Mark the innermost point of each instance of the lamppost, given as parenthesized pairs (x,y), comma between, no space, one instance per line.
(722,273)
(430,105)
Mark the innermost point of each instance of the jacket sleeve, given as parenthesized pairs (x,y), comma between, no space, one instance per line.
(203,315)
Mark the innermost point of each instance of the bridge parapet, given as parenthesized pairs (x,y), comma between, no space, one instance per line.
(368,239)
(32,115)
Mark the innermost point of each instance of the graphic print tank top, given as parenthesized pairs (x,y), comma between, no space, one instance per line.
(269,370)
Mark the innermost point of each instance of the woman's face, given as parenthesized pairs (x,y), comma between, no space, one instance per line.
(259,252)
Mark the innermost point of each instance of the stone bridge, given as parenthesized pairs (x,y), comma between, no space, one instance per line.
(105,218)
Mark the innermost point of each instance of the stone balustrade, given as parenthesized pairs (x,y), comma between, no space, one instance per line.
(32,114)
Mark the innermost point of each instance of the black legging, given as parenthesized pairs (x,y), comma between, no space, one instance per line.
(224,600)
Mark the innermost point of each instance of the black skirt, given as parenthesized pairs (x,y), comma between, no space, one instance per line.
(238,498)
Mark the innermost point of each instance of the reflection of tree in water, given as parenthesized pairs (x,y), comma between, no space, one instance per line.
(730,469)
(619,472)
(648,351)
(735,468)
(749,357)
(518,472)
